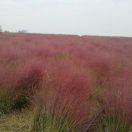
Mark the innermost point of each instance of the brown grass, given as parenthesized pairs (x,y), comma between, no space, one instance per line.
(16,122)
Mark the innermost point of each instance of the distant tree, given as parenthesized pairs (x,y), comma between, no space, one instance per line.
(22,31)
(0,28)
(6,31)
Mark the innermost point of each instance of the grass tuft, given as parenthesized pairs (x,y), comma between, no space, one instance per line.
(50,122)
(112,123)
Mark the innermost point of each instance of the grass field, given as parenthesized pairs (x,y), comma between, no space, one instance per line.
(70,83)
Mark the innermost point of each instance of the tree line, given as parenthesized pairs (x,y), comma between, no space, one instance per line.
(19,31)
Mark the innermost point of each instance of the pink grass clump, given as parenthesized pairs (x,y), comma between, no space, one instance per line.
(66,91)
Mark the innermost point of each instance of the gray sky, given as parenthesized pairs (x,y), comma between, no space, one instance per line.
(83,17)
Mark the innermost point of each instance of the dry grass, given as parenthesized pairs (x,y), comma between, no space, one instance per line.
(16,122)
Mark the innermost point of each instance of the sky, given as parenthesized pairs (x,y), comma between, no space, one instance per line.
(81,17)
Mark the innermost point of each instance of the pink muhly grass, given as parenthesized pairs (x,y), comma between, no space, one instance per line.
(117,96)
(65,70)
(65,91)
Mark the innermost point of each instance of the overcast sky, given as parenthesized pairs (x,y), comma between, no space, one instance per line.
(83,17)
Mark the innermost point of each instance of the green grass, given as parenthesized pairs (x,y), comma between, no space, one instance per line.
(23,122)
(7,101)
(112,123)
(51,122)
(11,100)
